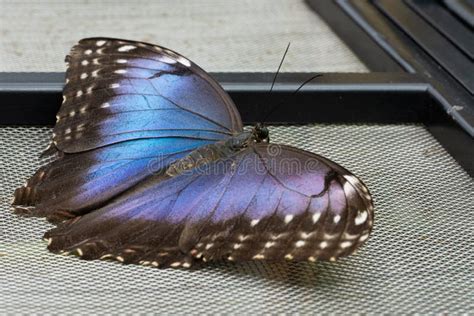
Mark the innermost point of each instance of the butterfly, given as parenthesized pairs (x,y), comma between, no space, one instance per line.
(152,166)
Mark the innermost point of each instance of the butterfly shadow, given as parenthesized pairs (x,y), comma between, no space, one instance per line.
(298,274)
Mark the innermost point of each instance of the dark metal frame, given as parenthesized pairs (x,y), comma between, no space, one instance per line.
(405,86)
(396,37)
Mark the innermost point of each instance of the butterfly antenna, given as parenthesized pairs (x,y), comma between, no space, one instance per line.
(275,76)
(279,67)
(294,93)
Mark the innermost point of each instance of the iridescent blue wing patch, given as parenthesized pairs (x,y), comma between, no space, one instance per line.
(122,90)
(129,108)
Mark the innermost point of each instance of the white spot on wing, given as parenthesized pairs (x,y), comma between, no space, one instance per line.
(346,244)
(121,61)
(166,60)
(186,265)
(243,237)
(83,75)
(336,219)
(300,243)
(269,244)
(316,217)
(84,63)
(120,71)
(100,42)
(105,105)
(350,236)
(363,237)
(88,52)
(289,218)
(361,218)
(183,61)
(330,236)
(289,256)
(114,85)
(126,48)
(258,256)
(254,222)
(323,244)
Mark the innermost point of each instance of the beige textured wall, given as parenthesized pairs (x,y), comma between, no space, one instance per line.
(234,35)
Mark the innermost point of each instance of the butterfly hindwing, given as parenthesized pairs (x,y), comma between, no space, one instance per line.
(244,207)
(75,183)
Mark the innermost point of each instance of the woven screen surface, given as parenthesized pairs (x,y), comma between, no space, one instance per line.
(234,36)
(419,258)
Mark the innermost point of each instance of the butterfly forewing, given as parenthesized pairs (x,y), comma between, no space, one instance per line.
(121,90)
(129,109)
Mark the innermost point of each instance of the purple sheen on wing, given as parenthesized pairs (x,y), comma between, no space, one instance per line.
(202,192)
(319,205)
(337,198)
(266,200)
(213,194)
(299,172)
(241,190)
(292,203)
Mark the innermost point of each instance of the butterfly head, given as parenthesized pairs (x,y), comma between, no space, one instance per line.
(260,133)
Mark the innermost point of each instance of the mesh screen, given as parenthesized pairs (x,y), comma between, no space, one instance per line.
(419,258)
(235,36)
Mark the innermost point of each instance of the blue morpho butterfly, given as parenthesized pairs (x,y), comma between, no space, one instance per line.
(152,166)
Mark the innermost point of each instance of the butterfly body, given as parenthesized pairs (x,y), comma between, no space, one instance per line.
(154,167)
